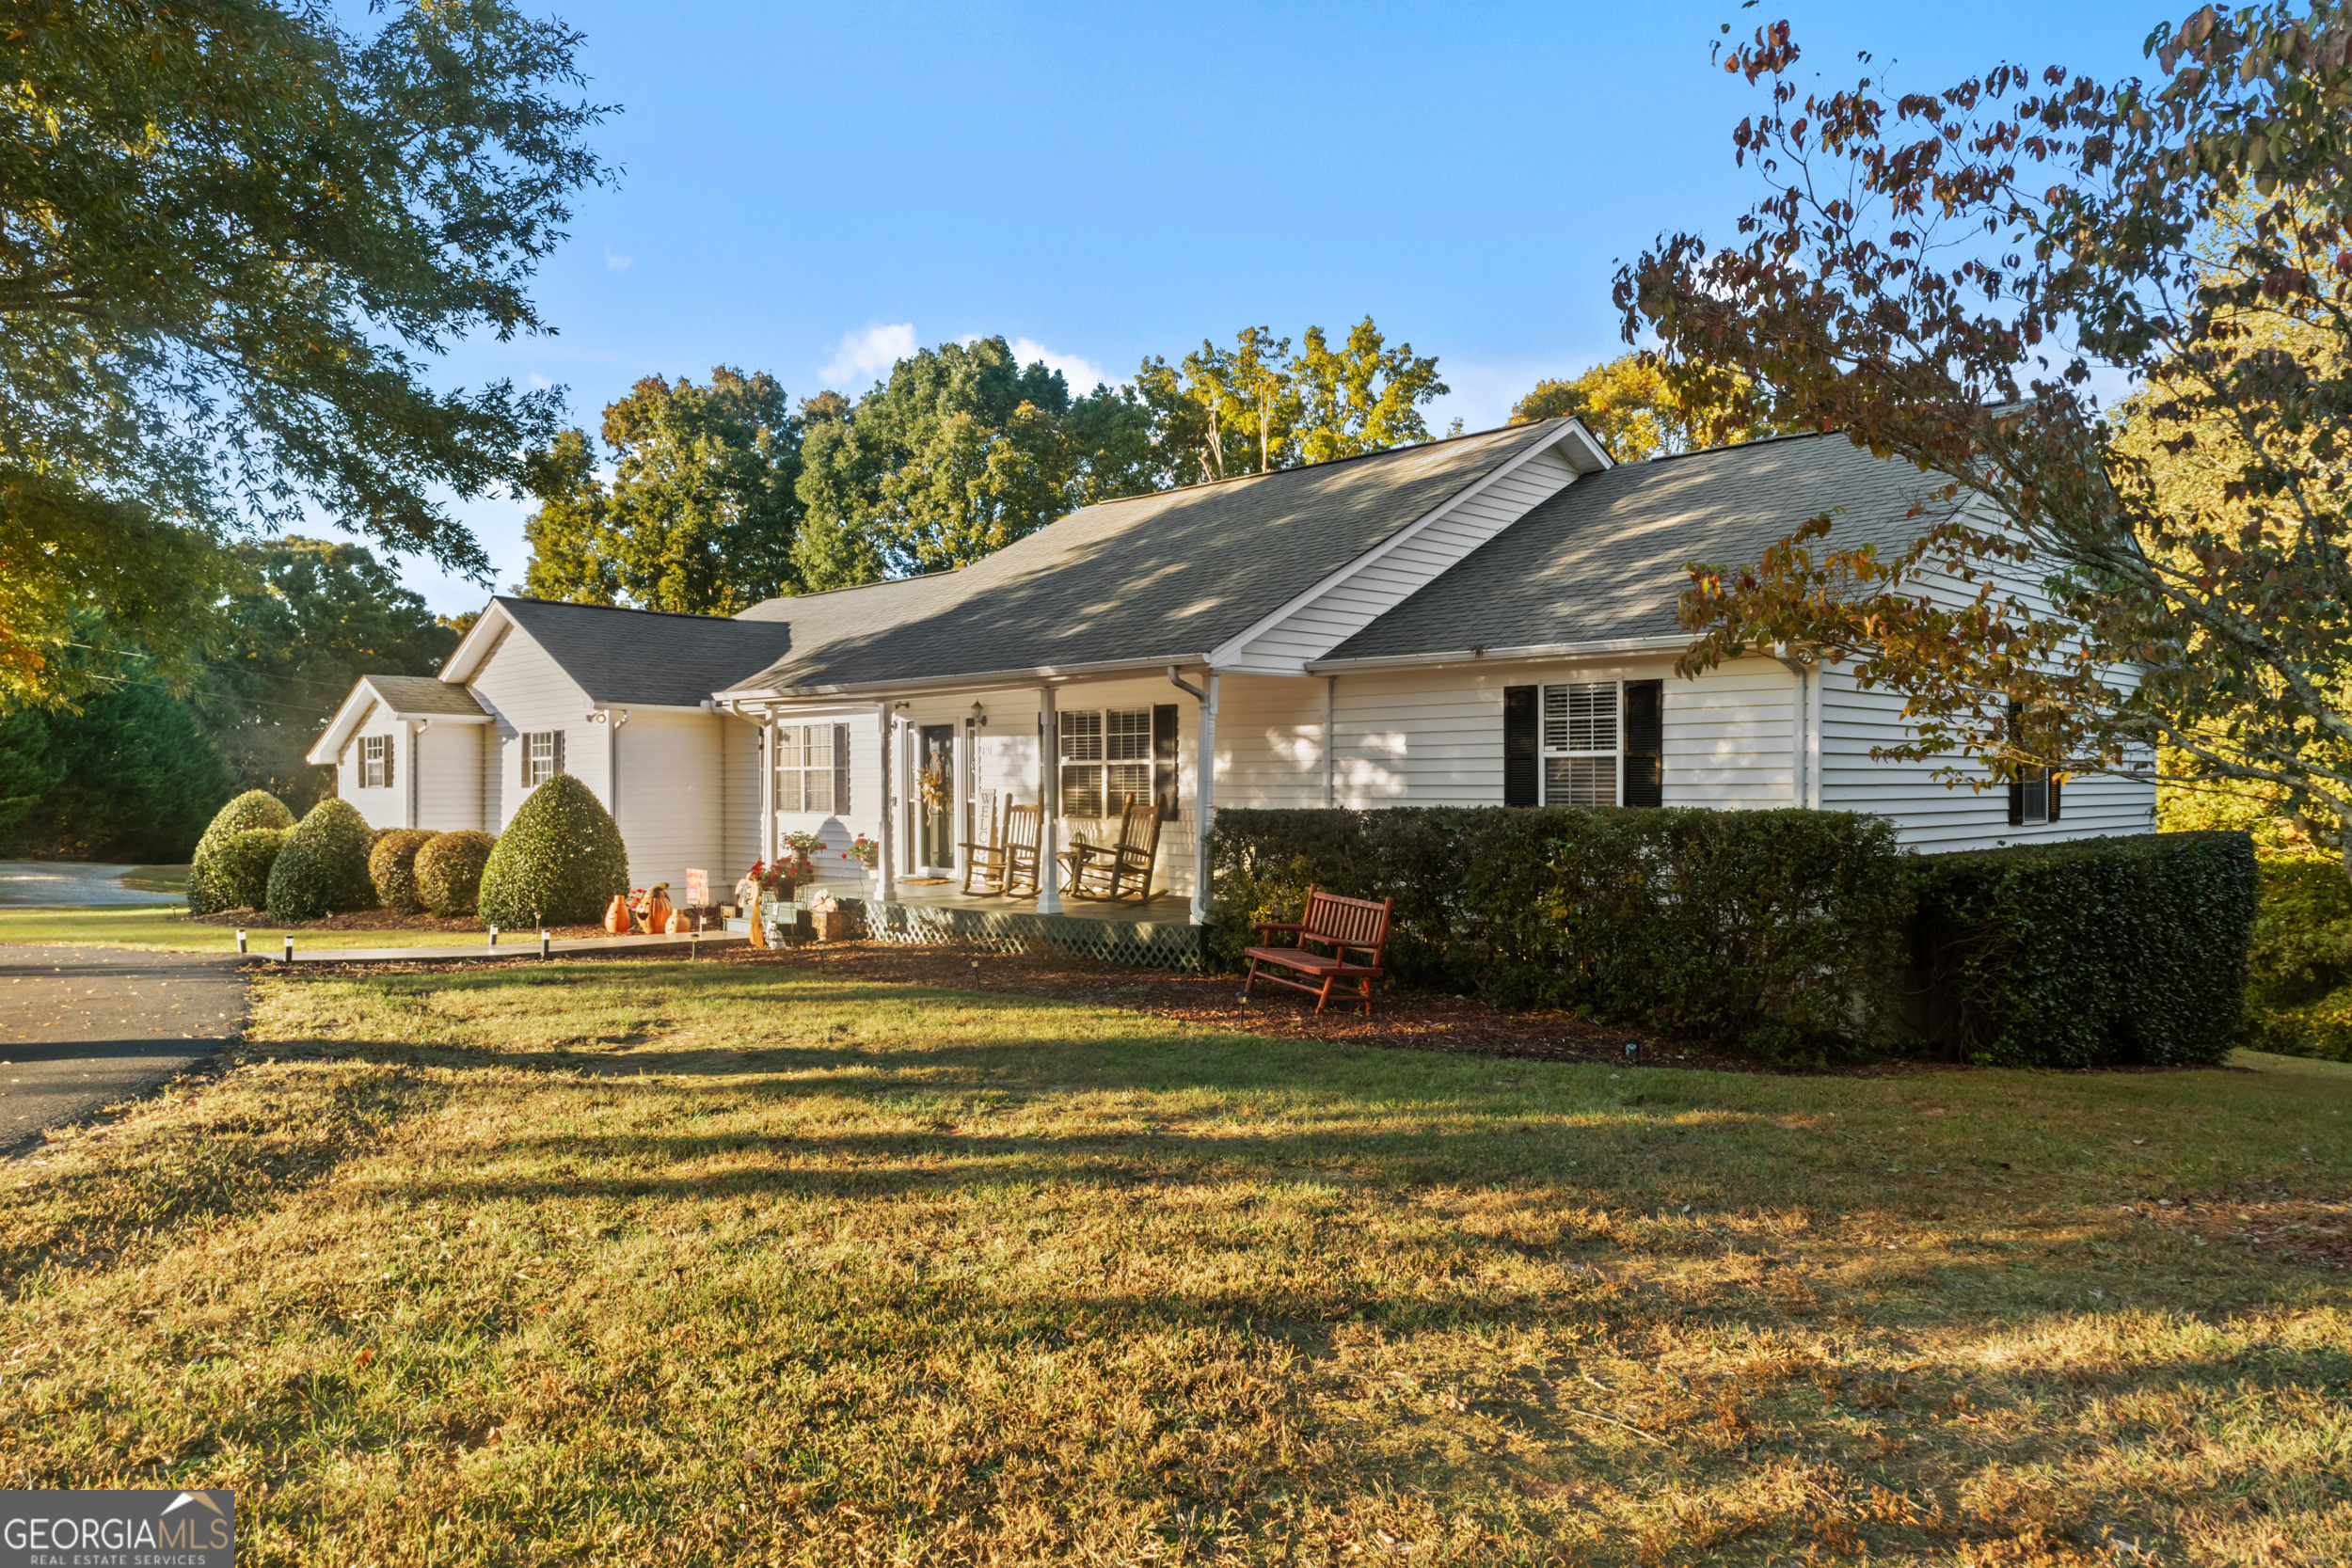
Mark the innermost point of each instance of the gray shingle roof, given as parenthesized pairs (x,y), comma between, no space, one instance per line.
(422,694)
(1160,576)
(649,657)
(1602,560)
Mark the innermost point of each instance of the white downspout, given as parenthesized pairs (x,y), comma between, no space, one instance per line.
(1048,796)
(1805,741)
(1204,809)
(889,807)
(1331,737)
(416,762)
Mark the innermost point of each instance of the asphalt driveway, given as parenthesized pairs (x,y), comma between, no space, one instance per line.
(82,1027)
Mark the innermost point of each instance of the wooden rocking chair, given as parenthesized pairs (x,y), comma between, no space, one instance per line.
(1004,866)
(982,861)
(1124,870)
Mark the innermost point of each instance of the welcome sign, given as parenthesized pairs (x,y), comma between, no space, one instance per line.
(117,1529)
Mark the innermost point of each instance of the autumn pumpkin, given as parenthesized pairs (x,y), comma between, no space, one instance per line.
(616,918)
(657,909)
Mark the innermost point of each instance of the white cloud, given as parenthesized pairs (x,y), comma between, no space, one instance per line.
(1083,375)
(868,355)
(540,380)
(616,263)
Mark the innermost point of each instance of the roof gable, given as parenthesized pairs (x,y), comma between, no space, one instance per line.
(649,657)
(423,697)
(1603,560)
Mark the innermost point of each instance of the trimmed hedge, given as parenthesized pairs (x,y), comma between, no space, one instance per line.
(323,867)
(254,809)
(448,871)
(1780,929)
(559,861)
(392,867)
(2095,953)
(240,867)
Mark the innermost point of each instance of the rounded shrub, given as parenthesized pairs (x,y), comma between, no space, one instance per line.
(324,865)
(255,808)
(392,867)
(448,871)
(241,865)
(559,861)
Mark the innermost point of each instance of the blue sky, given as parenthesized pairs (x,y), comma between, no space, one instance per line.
(808,188)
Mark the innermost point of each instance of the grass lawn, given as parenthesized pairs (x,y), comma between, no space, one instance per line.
(724,1262)
(146,926)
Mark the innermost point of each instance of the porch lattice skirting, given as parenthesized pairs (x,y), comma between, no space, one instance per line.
(1151,943)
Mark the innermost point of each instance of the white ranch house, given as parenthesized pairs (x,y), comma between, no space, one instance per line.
(1487,620)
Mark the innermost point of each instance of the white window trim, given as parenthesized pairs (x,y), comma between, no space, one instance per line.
(1102,762)
(372,767)
(2026,817)
(798,748)
(1546,752)
(533,740)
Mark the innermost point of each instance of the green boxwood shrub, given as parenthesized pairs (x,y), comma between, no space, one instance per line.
(255,808)
(1778,928)
(392,867)
(240,866)
(559,861)
(323,868)
(2097,952)
(448,871)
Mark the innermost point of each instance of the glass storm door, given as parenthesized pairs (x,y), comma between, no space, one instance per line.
(938,795)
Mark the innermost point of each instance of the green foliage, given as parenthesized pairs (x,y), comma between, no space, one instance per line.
(1362,396)
(2092,952)
(306,617)
(559,862)
(392,868)
(2298,979)
(232,237)
(241,865)
(448,871)
(252,811)
(703,511)
(1637,412)
(1779,927)
(323,868)
(961,453)
(128,775)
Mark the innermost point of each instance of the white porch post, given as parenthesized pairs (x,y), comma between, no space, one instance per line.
(765,747)
(1205,793)
(889,806)
(1048,796)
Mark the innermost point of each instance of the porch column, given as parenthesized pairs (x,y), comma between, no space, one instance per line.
(1206,796)
(1049,798)
(764,749)
(889,806)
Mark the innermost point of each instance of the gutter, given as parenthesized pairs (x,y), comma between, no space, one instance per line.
(871,690)
(1674,644)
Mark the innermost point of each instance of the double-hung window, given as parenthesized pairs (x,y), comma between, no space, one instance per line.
(1581,751)
(543,756)
(376,762)
(805,769)
(1106,757)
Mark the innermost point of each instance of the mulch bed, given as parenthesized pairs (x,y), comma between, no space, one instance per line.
(2309,1232)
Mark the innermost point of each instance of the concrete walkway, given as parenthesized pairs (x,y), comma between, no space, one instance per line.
(511,945)
(82,1027)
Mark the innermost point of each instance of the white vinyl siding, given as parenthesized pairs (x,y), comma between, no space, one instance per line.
(1395,575)
(526,691)
(674,792)
(445,763)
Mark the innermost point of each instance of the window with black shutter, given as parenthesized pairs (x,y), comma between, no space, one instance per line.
(1521,746)
(841,769)
(1164,759)
(1645,744)
(2032,792)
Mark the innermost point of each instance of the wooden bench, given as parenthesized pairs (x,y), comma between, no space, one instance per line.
(1344,926)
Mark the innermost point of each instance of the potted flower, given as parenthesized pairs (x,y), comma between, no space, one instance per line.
(801,849)
(865,853)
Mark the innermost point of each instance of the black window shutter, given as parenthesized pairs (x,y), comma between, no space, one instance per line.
(2053,796)
(391,748)
(1164,759)
(1520,746)
(1645,744)
(841,770)
(559,750)
(524,747)
(2017,801)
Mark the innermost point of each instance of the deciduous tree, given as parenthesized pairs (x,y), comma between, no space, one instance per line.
(1638,412)
(1943,277)
(232,238)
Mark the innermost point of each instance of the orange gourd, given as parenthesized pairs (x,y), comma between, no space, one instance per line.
(616,918)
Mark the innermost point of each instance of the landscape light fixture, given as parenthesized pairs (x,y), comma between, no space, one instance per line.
(543,941)
(289,957)
(241,947)
(1633,1053)
(494,936)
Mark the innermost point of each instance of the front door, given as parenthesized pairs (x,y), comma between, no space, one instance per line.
(936,790)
